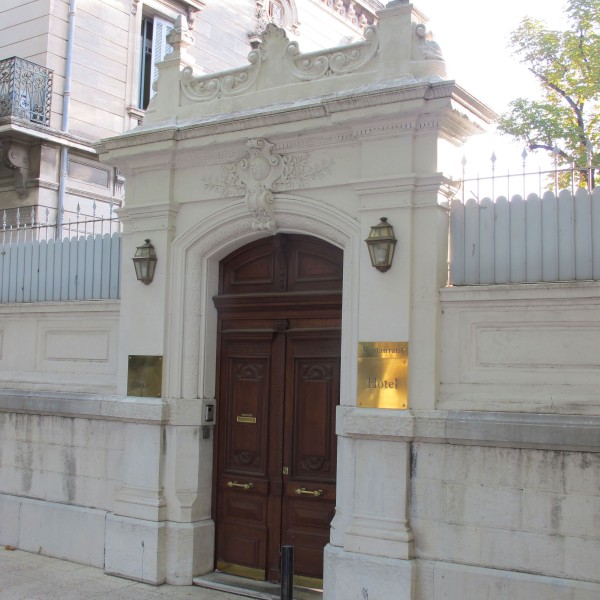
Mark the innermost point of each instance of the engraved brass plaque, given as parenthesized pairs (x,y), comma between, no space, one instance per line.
(144,376)
(383,375)
(245,419)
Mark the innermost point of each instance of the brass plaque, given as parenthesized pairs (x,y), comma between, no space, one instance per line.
(383,375)
(245,419)
(144,376)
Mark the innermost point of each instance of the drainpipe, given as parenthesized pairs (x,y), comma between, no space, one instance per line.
(64,151)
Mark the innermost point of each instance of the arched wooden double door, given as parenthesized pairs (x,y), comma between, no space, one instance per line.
(279,308)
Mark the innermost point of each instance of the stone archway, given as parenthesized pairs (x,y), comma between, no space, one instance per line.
(192,357)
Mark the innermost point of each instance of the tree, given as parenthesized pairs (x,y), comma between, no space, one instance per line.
(566,119)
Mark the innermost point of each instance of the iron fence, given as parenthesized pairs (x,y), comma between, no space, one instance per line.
(520,180)
(526,227)
(45,260)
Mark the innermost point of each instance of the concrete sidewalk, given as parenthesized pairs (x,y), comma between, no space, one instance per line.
(26,576)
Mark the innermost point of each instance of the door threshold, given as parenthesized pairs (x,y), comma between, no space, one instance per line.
(249,588)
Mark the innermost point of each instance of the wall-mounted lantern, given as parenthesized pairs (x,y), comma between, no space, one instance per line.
(144,262)
(381,243)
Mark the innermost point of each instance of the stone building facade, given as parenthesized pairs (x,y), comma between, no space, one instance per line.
(90,66)
(258,187)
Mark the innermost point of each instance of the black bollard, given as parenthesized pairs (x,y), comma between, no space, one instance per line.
(287,572)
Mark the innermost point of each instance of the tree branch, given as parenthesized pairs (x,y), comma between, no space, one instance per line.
(549,148)
(574,106)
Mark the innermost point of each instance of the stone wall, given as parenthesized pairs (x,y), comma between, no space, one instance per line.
(61,444)
(59,476)
(59,347)
(513,510)
(521,348)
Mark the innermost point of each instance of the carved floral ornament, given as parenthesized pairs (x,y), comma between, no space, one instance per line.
(282,13)
(260,174)
(347,11)
(275,44)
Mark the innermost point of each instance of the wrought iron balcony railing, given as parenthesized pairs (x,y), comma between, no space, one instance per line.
(25,90)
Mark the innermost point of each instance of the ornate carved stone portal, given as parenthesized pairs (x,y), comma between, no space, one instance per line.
(258,172)
(262,173)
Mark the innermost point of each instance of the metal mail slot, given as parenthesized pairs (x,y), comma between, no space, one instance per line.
(246,419)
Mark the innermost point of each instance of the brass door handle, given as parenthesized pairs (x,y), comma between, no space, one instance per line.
(304,491)
(243,486)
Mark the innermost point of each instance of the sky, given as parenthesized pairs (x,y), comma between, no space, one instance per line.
(473,36)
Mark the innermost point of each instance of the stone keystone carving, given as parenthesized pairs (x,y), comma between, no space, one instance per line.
(258,173)
(261,174)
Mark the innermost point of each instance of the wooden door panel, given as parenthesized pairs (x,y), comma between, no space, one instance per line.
(241,546)
(305,513)
(306,527)
(247,505)
(243,460)
(279,308)
(312,394)
(282,263)
(247,439)
(313,265)
(312,451)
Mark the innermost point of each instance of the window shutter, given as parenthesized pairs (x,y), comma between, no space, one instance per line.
(160,48)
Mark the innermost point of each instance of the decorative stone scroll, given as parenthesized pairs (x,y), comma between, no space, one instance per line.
(260,174)
(427,45)
(275,45)
(341,61)
(228,83)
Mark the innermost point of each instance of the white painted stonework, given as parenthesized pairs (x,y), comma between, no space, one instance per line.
(528,346)
(49,346)
(487,487)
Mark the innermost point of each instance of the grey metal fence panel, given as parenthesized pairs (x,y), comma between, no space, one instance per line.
(595,210)
(583,235)
(79,260)
(546,239)
(566,236)
(549,237)
(518,234)
(486,241)
(457,241)
(502,241)
(533,240)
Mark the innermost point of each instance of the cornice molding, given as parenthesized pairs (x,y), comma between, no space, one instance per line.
(26,131)
(512,430)
(397,91)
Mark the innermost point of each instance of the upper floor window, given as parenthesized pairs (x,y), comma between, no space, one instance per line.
(154,47)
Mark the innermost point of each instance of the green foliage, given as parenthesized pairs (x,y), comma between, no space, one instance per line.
(567,67)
